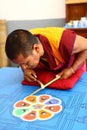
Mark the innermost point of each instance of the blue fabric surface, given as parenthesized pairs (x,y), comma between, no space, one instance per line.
(74,101)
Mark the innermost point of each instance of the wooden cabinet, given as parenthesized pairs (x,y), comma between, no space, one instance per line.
(75,9)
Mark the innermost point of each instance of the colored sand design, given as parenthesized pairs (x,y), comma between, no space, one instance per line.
(40,107)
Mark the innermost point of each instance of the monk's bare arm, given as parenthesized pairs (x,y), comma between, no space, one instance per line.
(80,44)
(80,48)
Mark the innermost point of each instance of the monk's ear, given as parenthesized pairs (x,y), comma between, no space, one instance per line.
(36,47)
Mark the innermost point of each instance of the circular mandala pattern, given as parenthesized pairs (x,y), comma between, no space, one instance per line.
(40,107)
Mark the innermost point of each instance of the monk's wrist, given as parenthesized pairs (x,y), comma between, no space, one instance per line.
(73,71)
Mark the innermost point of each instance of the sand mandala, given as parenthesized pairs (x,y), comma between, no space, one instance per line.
(42,107)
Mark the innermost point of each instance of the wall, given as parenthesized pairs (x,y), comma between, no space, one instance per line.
(28,14)
(28,24)
(32,9)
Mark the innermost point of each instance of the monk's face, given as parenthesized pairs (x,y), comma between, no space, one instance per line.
(32,60)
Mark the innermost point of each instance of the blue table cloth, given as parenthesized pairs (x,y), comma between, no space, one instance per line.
(74,104)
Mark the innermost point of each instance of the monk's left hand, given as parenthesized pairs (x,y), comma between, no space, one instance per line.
(66,73)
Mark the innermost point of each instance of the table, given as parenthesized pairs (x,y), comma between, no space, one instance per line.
(74,103)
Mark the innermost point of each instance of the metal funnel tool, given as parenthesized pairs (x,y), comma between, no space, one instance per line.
(44,85)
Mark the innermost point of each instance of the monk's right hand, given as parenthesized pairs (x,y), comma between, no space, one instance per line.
(29,75)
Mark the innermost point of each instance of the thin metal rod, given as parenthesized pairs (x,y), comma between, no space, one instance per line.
(44,86)
(50,82)
(36,91)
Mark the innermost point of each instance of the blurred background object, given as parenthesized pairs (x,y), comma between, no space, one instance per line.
(3,34)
